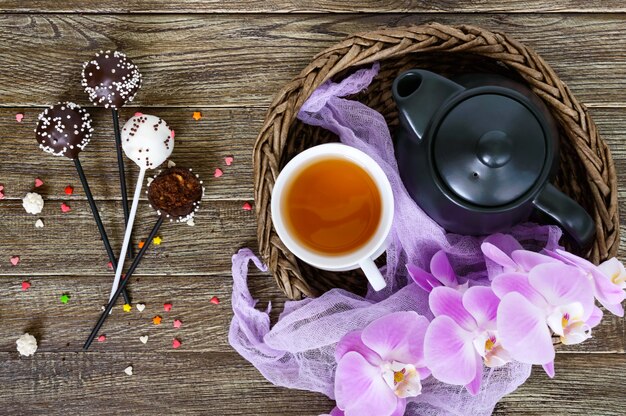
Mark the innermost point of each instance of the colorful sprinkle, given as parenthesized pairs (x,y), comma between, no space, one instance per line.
(156,320)
(19,117)
(25,285)
(141,306)
(65,298)
(65,207)
(218,172)
(167,307)
(177,323)
(228,160)
(197,115)
(141,244)
(15,260)
(129,370)
(138,114)
(176,343)
(38,182)
(39,223)
(157,241)
(102,338)
(1,193)
(215,300)
(127,307)
(246,206)
(69,190)
(110,265)
(143,339)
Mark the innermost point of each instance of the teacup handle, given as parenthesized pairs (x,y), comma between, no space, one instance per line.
(372,273)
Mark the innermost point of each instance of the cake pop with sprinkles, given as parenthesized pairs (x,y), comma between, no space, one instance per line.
(147,140)
(175,193)
(64,129)
(111,79)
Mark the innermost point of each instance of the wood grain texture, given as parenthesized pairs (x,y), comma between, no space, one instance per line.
(243,60)
(318,6)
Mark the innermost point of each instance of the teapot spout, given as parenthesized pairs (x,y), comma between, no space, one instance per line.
(418,95)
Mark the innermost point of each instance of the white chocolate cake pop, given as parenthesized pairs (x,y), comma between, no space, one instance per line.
(147,140)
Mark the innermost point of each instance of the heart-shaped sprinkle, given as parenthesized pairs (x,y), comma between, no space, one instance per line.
(167,307)
(38,182)
(143,339)
(228,160)
(19,117)
(39,223)
(15,260)
(215,300)
(25,285)
(170,164)
(218,173)
(177,323)
(141,306)
(246,206)
(1,195)
(176,343)
(129,370)
(173,133)
(102,338)
(69,190)
(110,265)
(191,222)
(138,114)
(65,207)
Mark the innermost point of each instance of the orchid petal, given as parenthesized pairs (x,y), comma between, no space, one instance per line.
(500,257)
(441,268)
(423,279)
(527,259)
(360,389)
(523,331)
(615,271)
(398,336)
(352,342)
(400,408)
(482,304)
(449,352)
(517,283)
(561,284)
(336,412)
(595,318)
(505,242)
(474,386)
(449,302)
(549,369)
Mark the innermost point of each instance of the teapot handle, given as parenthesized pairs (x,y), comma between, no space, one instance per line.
(568,214)
(418,95)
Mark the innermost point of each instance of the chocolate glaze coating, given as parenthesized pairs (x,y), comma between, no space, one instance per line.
(111,79)
(176,193)
(64,129)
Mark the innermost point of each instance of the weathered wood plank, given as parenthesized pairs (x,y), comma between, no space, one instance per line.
(237,60)
(69,243)
(209,383)
(319,6)
(584,385)
(200,145)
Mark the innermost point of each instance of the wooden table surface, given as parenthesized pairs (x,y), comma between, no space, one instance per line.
(225,59)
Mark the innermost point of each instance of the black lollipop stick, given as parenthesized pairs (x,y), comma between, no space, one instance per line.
(122,173)
(122,284)
(96,216)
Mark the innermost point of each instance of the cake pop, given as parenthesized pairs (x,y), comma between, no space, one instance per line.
(111,79)
(148,141)
(65,129)
(175,193)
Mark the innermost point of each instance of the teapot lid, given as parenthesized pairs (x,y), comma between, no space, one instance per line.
(489,149)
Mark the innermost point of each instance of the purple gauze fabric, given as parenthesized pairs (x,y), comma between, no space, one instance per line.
(298,351)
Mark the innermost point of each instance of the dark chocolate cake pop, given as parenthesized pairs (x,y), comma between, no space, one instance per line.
(111,79)
(176,193)
(64,129)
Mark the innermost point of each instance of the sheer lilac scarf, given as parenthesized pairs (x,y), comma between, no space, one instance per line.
(298,351)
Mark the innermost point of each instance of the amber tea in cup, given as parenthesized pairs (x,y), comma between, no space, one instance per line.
(332,206)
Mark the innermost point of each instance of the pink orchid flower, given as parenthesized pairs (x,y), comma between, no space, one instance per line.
(380,366)
(506,252)
(614,270)
(463,335)
(441,274)
(609,292)
(551,298)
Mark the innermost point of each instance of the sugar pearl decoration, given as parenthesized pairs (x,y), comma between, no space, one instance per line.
(147,140)
(111,79)
(26,345)
(64,129)
(33,203)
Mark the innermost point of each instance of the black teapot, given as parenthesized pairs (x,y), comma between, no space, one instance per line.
(478,154)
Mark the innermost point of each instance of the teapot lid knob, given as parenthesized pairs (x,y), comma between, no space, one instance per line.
(490,149)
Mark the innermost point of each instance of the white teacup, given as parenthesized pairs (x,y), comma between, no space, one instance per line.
(362,256)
